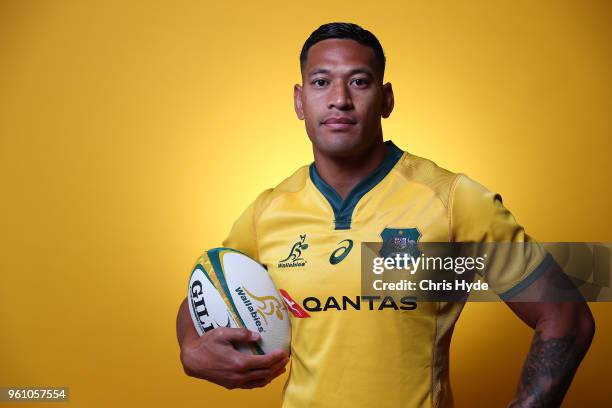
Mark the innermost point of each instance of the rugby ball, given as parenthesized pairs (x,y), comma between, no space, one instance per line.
(230,289)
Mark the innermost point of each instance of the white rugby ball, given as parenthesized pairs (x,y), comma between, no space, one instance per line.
(229,289)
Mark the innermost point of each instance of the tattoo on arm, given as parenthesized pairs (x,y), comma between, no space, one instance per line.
(548,371)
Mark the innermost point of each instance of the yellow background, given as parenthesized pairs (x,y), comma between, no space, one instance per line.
(134,133)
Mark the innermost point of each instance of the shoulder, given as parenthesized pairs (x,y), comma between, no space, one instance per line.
(440,181)
(290,185)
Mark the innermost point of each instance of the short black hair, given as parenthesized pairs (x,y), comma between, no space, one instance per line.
(348,31)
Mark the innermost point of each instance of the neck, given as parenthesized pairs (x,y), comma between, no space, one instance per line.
(344,173)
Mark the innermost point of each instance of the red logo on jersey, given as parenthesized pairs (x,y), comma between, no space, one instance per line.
(293,306)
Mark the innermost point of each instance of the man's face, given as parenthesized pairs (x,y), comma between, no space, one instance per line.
(342,98)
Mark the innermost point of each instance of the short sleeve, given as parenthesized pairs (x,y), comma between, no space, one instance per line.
(478,215)
(243,235)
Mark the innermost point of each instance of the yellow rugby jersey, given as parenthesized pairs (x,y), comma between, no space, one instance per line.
(345,350)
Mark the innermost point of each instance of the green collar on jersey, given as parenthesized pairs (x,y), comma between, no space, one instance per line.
(343,209)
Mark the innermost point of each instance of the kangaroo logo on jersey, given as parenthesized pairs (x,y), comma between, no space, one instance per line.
(340,253)
(400,240)
(294,259)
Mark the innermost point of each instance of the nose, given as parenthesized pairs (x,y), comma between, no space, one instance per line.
(340,97)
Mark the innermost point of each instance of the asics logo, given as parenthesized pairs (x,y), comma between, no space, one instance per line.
(340,253)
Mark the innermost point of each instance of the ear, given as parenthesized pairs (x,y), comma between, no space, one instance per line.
(297,101)
(388,100)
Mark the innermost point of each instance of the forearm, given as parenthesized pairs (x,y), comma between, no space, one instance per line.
(558,346)
(184,325)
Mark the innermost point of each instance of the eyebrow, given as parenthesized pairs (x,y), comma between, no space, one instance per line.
(351,72)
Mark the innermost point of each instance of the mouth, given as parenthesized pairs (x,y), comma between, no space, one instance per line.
(339,122)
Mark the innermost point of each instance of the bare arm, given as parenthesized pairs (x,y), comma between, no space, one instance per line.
(563,334)
(213,357)
(184,325)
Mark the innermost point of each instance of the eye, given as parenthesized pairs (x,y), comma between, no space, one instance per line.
(360,82)
(319,83)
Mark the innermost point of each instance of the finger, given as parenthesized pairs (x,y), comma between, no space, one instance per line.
(277,373)
(262,373)
(253,362)
(229,334)
(265,381)
(255,384)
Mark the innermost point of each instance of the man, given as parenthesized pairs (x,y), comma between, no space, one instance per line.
(355,352)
